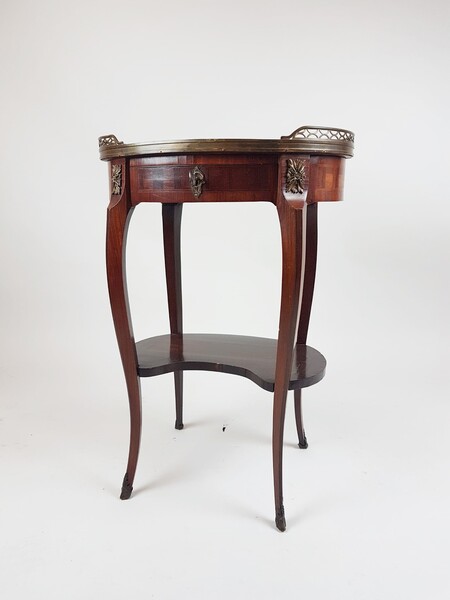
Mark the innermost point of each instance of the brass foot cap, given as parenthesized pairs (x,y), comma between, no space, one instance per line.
(127,488)
(280,520)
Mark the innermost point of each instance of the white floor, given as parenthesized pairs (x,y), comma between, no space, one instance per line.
(366,503)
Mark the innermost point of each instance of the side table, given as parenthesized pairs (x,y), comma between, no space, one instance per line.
(295,173)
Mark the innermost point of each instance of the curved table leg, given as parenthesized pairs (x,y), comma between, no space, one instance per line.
(293,223)
(171,215)
(302,441)
(119,213)
(305,312)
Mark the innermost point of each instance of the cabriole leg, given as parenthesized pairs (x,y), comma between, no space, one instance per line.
(119,213)
(292,231)
(302,441)
(171,215)
(305,312)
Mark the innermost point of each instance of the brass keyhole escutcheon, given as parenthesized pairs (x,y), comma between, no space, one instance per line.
(196,179)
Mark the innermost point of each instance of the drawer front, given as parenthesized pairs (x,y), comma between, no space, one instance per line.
(203,179)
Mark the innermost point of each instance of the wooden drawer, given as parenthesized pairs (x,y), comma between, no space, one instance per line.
(226,178)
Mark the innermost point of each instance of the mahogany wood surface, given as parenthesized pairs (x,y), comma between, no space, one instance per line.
(230,178)
(171,214)
(118,217)
(327,179)
(305,311)
(250,357)
(293,224)
(275,365)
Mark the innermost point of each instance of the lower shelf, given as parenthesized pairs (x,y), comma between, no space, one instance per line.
(250,357)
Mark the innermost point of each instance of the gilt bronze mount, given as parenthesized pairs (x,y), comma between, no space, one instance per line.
(197,180)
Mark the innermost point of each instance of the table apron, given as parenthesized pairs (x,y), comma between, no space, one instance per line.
(226,178)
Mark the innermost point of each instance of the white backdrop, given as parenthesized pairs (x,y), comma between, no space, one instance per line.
(367,503)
